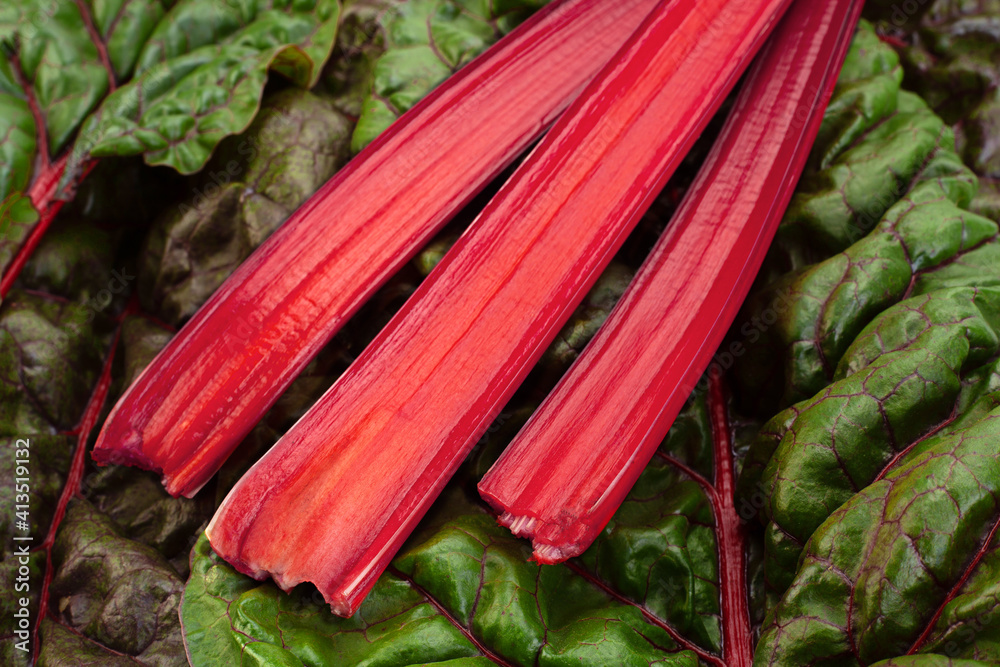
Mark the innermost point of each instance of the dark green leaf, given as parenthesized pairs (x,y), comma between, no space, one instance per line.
(145,513)
(912,236)
(903,378)
(50,357)
(878,484)
(587,319)
(15,575)
(71,262)
(660,549)
(119,593)
(17,217)
(987,202)
(142,340)
(125,26)
(17,145)
(63,647)
(954,62)
(46,459)
(926,660)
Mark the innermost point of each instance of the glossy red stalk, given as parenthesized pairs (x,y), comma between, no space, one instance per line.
(572,465)
(214,381)
(335,498)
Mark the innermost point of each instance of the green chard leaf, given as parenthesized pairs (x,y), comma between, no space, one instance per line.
(300,139)
(62,647)
(51,352)
(909,563)
(20,574)
(142,340)
(51,77)
(51,356)
(17,218)
(467,592)
(200,76)
(71,262)
(57,61)
(928,660)
(52,62)
(907,375)
(892,202)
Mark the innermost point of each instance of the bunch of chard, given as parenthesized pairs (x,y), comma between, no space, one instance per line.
(335,498)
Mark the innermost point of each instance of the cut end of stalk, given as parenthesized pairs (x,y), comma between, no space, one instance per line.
(341,604)
(177,487)
(548,554)
(522,526)
(530,528)
(241,565)
(134,456)
(127,452)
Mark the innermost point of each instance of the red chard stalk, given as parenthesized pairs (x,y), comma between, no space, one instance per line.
(336,497)
(214,381)
(569,469)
